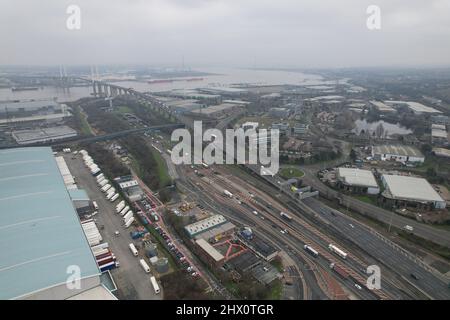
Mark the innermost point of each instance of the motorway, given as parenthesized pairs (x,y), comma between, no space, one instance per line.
(293,241)
(195,193)
(432,284)
(436,235)
(384,251)
(132,282)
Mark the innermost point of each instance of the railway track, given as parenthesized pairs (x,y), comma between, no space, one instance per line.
(298,235)
(305,235)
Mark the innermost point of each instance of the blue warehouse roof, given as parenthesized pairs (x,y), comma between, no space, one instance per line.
(40,233)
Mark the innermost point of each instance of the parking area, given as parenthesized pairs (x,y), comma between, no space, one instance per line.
(130,278)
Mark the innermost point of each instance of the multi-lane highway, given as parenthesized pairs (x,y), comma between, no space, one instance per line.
(298,233)
(438,236)
(430,283)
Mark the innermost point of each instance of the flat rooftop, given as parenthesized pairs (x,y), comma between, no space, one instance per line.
(40,233)
(414,106)
(223,228)
(223,90)
(438,133)
(397,150)
(212,252)
(41,134)
(357,177)
(216,108)
(52,116)
(205,224)
(410,188)
(330,97)
(442,152)
(28,105)
(382,106)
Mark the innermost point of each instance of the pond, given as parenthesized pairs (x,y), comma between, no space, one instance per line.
(390,128)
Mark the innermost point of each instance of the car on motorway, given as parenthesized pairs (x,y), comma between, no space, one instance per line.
(351,225)
(255,213)
(357,286)
(282,231)
(414,276)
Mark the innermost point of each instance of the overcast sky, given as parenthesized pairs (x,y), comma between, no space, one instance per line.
(277,33)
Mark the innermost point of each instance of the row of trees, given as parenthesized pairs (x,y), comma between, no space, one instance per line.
(315,158)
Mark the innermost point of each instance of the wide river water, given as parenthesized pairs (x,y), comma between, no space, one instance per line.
(218,77)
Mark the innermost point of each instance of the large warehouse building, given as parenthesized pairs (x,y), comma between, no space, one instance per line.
(405,191)
(397,153)
(42,244)
(357,180)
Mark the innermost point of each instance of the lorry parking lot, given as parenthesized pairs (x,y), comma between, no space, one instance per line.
(131,280)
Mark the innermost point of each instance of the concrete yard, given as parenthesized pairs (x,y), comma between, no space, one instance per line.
(131,280)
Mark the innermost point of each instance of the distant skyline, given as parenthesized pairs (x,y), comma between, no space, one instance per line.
(226,33)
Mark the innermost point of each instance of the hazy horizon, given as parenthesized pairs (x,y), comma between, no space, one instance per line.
(261,34)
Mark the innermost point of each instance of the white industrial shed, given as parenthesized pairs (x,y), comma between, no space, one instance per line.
(358,178)
(398,153)
(411,189)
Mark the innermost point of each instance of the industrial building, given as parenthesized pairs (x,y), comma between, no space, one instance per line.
(41,105)
(439,135)
(225,91)
(130,188)
(416,107)
(205,98)
(204,225)
(42,135)
(357,180)
(440,119)
(218,111)
(183,106)
(406,191)
(217,233)
(209,254)
(26,111)
(42,241)
(441,152)
(81,201)
(397,153)
(260,248)
(381,107)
